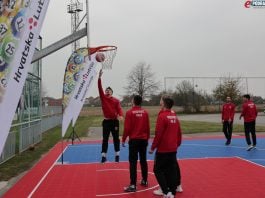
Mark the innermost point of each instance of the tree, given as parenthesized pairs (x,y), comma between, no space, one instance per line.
(191,99)
(229,86)
(142,81)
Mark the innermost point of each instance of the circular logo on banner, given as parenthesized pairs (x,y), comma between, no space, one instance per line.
(4,27)
(8,48)
(18,23)
(78,59)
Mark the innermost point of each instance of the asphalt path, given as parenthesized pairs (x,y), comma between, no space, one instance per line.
(260,121)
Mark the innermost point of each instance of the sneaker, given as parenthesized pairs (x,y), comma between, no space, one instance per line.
(158,192)
(228,142)
(117,158)
(103,159)
(250,147)
(179,189)
(169,195)
(254,147)
(130,188)
(144,183)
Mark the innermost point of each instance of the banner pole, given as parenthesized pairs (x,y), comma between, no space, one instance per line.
(62,134)
(62,149)
(87,28)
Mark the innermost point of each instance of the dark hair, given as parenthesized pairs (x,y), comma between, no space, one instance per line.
(109,89)
(168,101)
(247,96)
(137,100)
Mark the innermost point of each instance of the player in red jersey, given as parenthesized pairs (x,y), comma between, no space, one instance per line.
(166,142)
(249,113)
(137,128)
(112,111)
(228,112)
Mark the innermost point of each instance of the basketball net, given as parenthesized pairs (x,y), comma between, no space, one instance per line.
(109,53)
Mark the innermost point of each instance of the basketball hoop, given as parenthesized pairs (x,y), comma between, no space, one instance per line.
(109,53)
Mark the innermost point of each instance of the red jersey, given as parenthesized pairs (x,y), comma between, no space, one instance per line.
(167,133)
(136,124)
(110,106)
(228,111)
(249,111)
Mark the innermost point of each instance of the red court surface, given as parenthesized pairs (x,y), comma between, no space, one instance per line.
(209,177)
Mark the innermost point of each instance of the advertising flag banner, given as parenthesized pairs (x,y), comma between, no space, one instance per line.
(79,75)
(20,25)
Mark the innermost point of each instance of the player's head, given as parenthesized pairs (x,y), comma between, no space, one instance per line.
(246,97)
(137,100)
(166,102)
(228,99)
(108,91)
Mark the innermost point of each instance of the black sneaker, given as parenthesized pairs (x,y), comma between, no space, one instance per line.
(117,158)
(103,159)
(228,142)
(131,188)
(144,183)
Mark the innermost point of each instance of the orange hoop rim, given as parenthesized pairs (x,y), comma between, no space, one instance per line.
(103,48)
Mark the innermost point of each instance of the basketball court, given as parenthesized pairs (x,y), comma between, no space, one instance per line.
(208,167)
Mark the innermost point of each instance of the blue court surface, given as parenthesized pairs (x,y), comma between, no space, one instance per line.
(190,149)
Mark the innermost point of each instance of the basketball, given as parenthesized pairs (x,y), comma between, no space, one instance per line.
(100,57)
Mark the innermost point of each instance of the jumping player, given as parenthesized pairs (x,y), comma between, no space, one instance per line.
(112,111)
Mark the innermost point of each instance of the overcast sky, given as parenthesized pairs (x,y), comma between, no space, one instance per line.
(177,38)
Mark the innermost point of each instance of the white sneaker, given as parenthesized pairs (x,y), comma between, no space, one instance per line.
(179,189)
(250,147)
(158,192)
(169,195)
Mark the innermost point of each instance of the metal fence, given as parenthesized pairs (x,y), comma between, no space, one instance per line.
(251,85)
(30,133)
(10,147)
(50,122)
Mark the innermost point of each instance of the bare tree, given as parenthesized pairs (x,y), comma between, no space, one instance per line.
(228,86)
(141,80)
(186,96)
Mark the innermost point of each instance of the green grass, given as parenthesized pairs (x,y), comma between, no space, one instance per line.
(25,160)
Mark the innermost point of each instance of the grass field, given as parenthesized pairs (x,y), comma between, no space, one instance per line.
(92,117)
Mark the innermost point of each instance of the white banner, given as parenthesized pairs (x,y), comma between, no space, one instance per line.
(79,76)
(24,20)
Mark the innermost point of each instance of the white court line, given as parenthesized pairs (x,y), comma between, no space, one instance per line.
(250,162)
(44,176)
(84,145)
(221,146)
(212,145)
(125,193)
(197,158)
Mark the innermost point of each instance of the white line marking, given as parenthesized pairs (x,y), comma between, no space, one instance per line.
(251,162)
(212,145)
(44,176)
(125,193)
(84,145)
